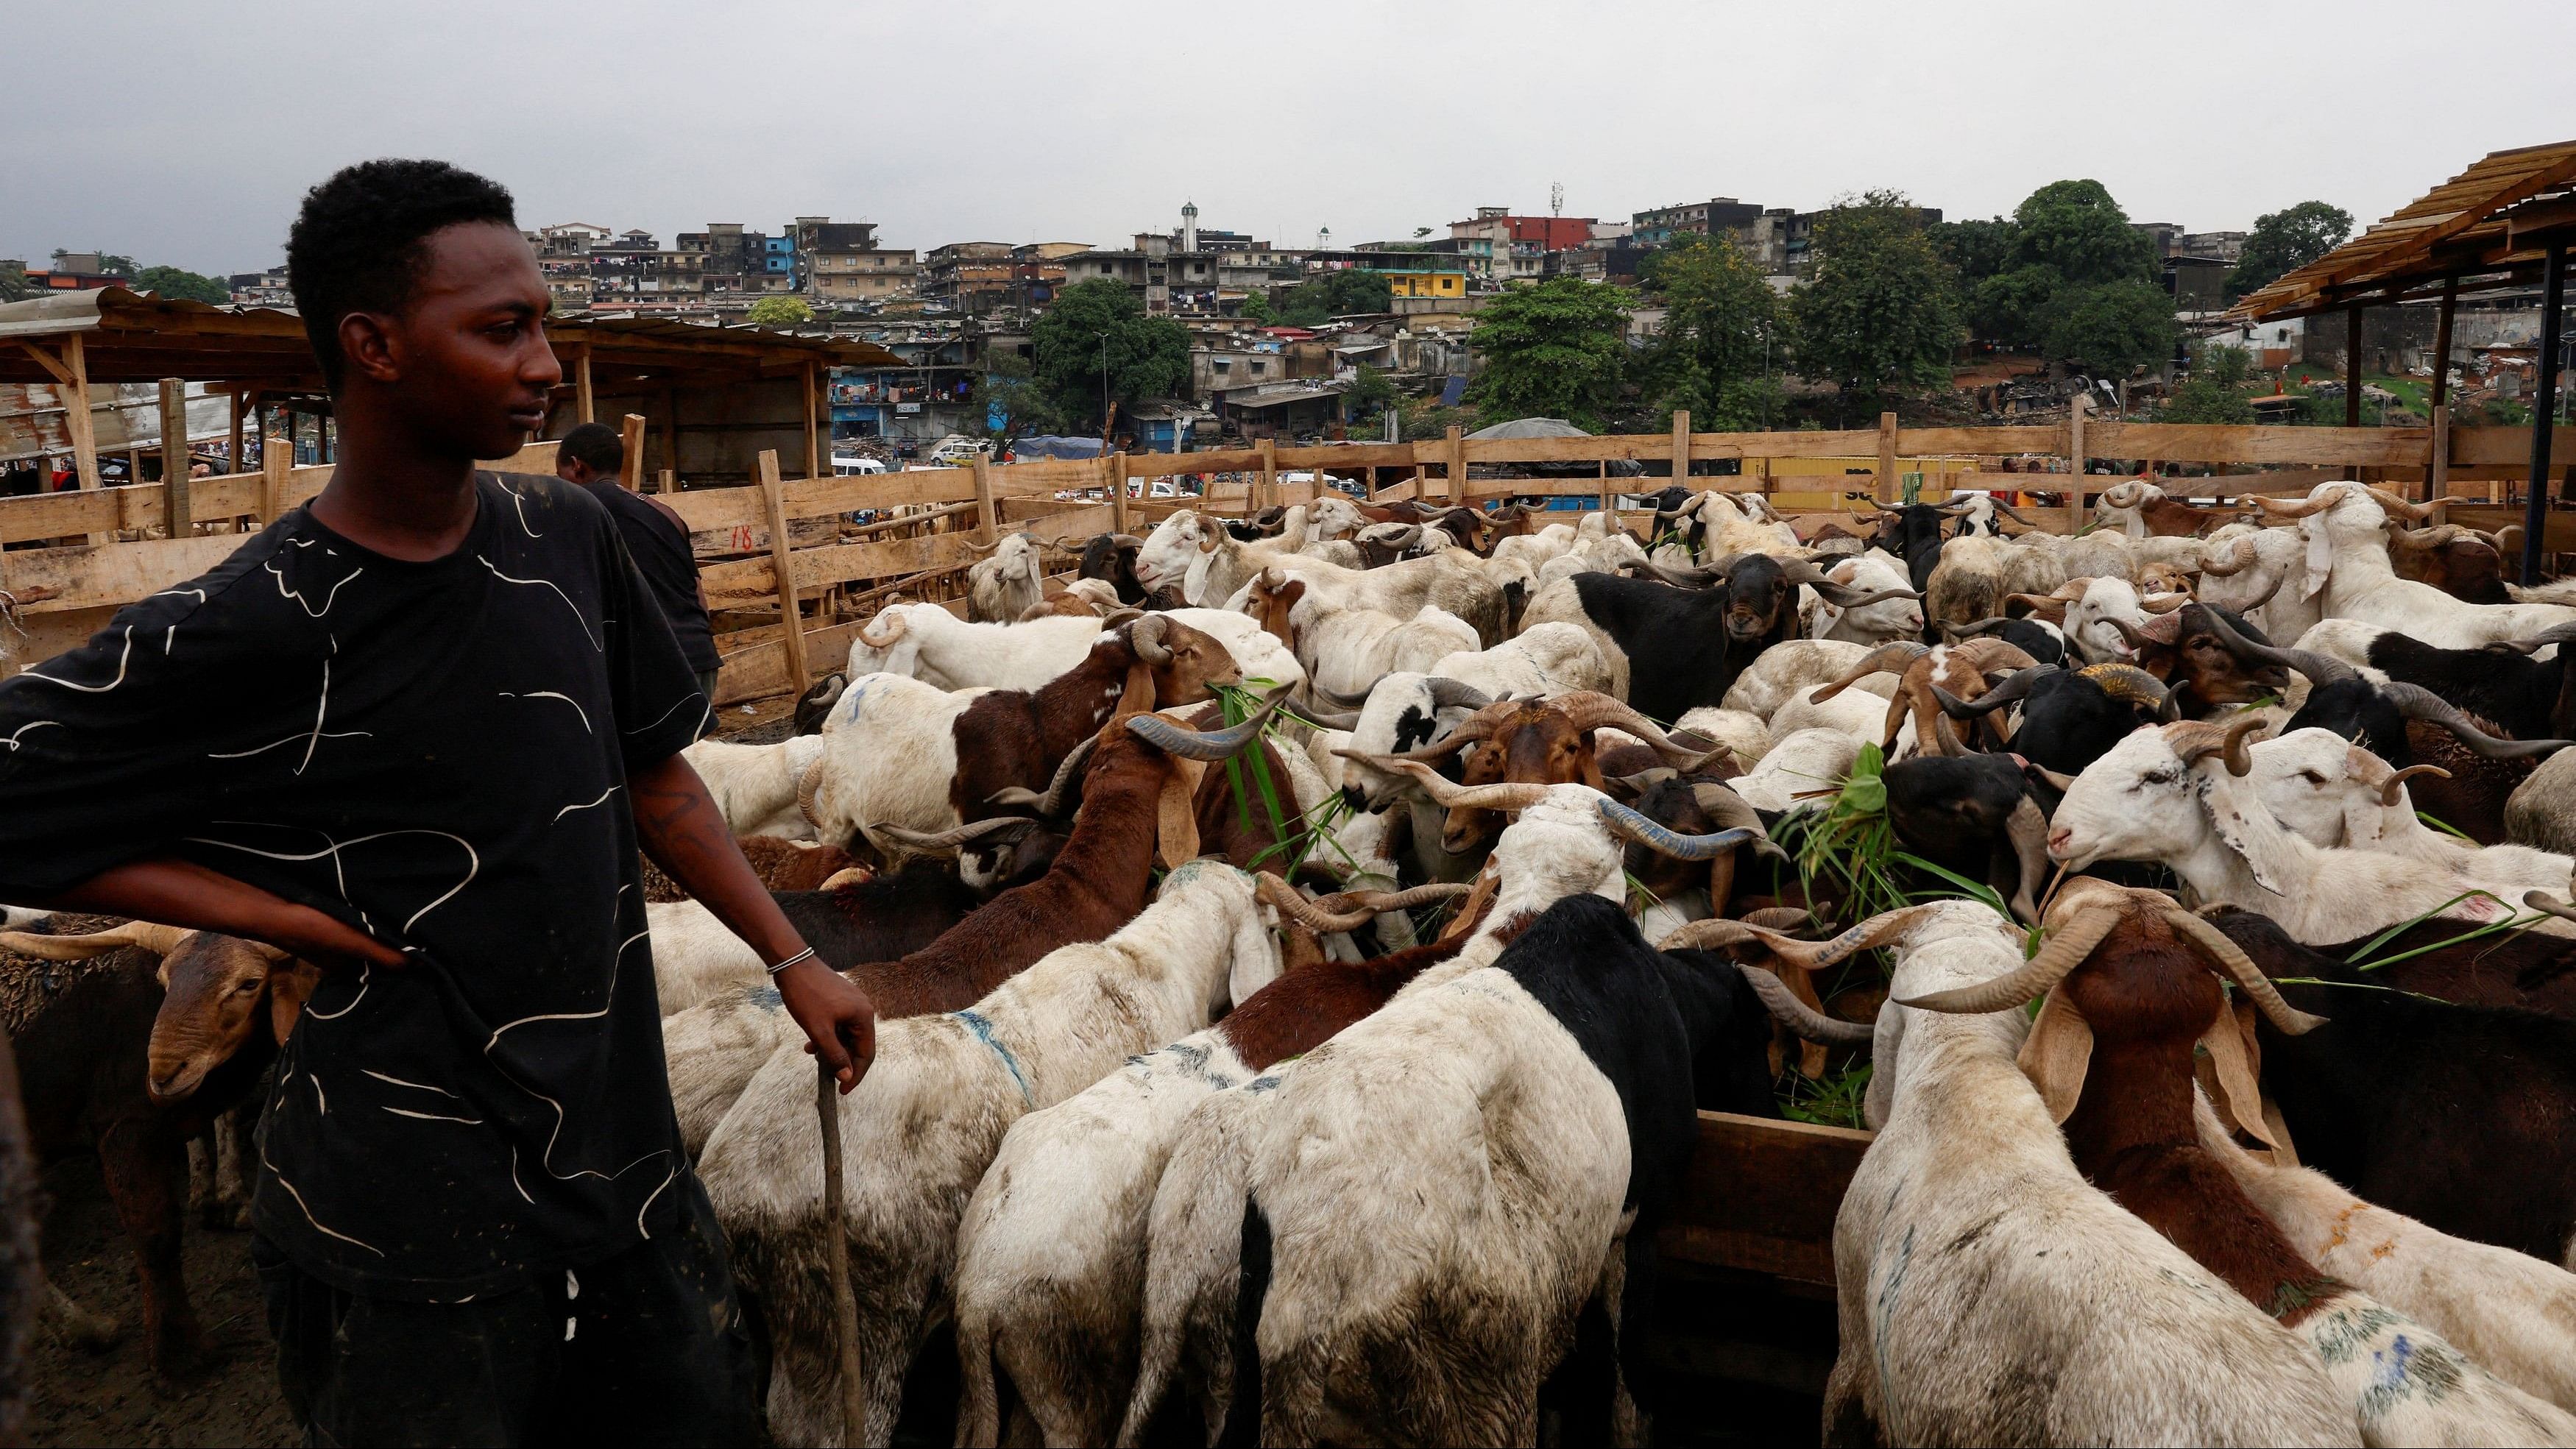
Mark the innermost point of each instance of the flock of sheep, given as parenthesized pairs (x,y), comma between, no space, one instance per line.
(1304,944)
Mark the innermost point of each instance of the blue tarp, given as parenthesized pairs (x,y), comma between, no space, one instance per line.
(1451,391)
(1048,445)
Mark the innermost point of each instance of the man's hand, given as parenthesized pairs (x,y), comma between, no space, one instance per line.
(685,833)
(840,1022)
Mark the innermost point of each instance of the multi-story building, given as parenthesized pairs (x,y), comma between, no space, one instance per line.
(1038,272)
(968,277)
(1693,218)
(625,269)
(563,256)
(732,266)
(250,289)
(1499,246)
(840,261)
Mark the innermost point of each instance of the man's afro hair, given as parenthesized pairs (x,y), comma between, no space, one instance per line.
(357,244)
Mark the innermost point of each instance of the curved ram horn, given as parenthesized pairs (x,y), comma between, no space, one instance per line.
(2319,668)
(1471,729)
(2164,603)
(1986,625)
(1346,701)
(1453,796)
(1953,506)
(2542,640)
(1175,738)
(2013,513)
(2197,741)
(2399,507)
(928,842)
(2540,901)
(2124,495)
(982,548)
(2232,960)
(1590,709)
(2046,606)
(1628,824)
(2027,830)
(2015,687)
(1126,540)
(1693,578)
(1146,637)
(2131,685)
(2331,496)
(1807,1022)
(1050,804)
(2424,539)
(1349,910)
(2241,555)
(868,635)
(1456,694)
(1331,719)
(2063,951)
(1733,812)
(1890,658)
(158,939)
(2416,702)
(2396,781)
(808,787)
(1878,930)
(1846,596)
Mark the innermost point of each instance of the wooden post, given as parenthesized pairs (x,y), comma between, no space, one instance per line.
(2075,412)
(174,458)
(773,499)
(1266,493)
(233,450)
(1605,485)
(84,428)
(581,386)
(276,456)
(630,476)
(1681,450)
(1116,469)
(1457,464)
(669,485)
(813,430)
(2437,473)
(2352,367)
(2437,467)
(1886,459)
(2544,407)
(990,531)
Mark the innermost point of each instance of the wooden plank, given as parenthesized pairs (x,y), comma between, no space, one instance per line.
(581,387)
(1761,1195)
(538,458)
(630,474)
(2237,443)
(1847,443)
(813,429)
(1114,477)
(2437,473)
(1979,442)
(174,456)
(1681,454)
(782,570)
(98,575)
(1268,495)
(2504,447)
(84,427)
(988,518)
(276,461)
(2558,534)
(1887,488)
(1348,456)
(2075,453)
(754,581)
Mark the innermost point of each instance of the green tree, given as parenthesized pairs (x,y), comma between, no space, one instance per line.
(1720,322)
(2076,229)
(175,282)
(2215,391)
(2284,241)
(778,312)
(1881,312)
(2012,307)
(1100,323)
(1551,349)
(1257,308)
(1368,398)
(1977,249)
(1011,390)
(2111,329)
(13,284)
(1318,300)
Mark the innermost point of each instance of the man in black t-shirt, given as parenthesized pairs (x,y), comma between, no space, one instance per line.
(594,456)
(415,732)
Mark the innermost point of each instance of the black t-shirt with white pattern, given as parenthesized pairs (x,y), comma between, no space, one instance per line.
(436,753)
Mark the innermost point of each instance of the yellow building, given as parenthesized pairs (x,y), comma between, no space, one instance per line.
(1426,284)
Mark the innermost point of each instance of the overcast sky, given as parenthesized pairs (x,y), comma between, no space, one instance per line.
(184,133)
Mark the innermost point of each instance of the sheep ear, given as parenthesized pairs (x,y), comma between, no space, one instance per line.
(290,983)
(1176,816)
(2059,1049)
(2231,833)
(2234,1060)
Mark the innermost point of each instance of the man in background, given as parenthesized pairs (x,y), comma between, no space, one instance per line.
(594,456)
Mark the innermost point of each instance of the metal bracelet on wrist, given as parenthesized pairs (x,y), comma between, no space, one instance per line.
(790,961)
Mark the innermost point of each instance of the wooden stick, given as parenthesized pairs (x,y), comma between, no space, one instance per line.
(1681,453)
(1457,465)
(1117,472)
(836,1233)
(581,386)
(1267,494)
(813,429)
(990,529)
(1886,459)
(782,560)
(276,457)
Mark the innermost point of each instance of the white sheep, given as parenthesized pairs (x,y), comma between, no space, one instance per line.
(926,642)
(2180,794)
(926,1121)
(2331,792)
(1986,1293)
(2347,570)
(755,785)
(1793,665)
(1001,588)
(1804,763)
(1870,624)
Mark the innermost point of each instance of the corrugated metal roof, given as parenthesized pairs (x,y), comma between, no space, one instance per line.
(2491,218)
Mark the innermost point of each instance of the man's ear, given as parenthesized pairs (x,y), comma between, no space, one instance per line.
(367,346)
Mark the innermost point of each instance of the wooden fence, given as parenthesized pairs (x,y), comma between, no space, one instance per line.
(827,551)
